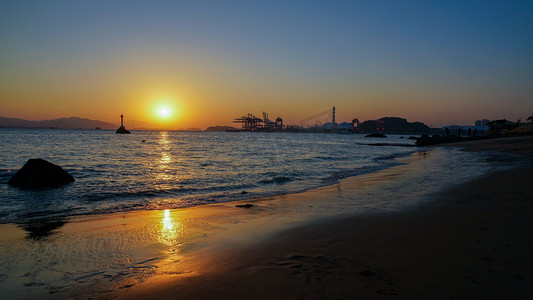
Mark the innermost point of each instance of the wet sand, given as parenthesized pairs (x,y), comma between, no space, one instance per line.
(469,242)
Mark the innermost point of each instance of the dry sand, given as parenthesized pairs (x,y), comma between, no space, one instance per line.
(471,242)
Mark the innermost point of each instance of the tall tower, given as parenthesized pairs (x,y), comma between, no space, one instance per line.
(333,117)
(121,120)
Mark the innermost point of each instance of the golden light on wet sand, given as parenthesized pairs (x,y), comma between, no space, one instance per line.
(169,230)
(167,221)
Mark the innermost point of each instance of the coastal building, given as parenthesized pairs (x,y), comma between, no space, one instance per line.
(342,126)
(328,126)
(481,124)
(345,126)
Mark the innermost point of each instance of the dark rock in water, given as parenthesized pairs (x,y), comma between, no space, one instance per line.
(412,138)
(38,174)
(426,140)
(401,137)
(248,205)
(244,192)
(121,129)
(376,135)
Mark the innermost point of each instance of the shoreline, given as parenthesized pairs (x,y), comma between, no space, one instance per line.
(506,144)
(268,249)
(470,241)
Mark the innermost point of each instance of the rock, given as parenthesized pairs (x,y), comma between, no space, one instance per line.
(244,192)
(121,129)
(248,205)
(426,140)
(376,135)
(38,174)
(412,138)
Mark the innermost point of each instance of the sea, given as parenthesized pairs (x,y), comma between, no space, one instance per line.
(168,169)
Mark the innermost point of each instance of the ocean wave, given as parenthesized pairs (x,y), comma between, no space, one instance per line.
(359,171)
(6,174)
(276,180)
(160,193)
(392,156)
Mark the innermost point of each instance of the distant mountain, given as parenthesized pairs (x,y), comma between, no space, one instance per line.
(220,128)
(190,129)
(61,123)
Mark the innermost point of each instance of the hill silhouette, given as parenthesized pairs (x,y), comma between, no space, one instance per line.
(396,125)
(61,123)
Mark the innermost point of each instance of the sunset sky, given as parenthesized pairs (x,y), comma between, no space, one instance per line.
(183,64)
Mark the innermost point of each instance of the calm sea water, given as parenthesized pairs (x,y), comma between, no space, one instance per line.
(182,169)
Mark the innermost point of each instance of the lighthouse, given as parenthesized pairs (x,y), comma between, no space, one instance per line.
(121,129)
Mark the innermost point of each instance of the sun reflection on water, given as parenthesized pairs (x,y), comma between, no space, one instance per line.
(164,140)
(165,159)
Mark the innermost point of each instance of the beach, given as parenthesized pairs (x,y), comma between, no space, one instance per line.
(470,240)
(266,150)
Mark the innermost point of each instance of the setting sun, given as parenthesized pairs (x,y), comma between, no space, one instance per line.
(164,112)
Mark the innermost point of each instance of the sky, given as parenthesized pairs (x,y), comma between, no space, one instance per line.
(185,64)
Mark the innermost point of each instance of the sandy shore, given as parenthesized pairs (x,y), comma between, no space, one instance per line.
(469,242)
(520,145)
(349,240)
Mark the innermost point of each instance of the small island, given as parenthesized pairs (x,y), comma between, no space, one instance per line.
(122,129)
